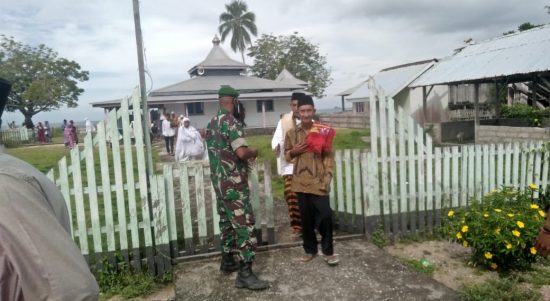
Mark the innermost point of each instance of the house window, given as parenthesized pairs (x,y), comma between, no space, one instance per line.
(195,108)
(359,107)
(268,105)
(461,93)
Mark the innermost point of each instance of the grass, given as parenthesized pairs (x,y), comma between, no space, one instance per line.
(422,266)
(501,289)
(43,157)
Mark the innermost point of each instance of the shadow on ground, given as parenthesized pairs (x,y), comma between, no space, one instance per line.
(365,273)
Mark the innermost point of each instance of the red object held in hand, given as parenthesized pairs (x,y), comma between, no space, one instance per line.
(320,138)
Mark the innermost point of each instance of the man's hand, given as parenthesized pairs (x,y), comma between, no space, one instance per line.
(298,149)
(244,153)
(543,243)
(277,150)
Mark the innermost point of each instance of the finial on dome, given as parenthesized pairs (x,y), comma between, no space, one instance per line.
(216,40)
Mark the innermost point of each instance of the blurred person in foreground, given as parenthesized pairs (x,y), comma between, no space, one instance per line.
(542,243)
(38,258)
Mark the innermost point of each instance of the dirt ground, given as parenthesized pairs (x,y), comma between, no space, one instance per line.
(450,261)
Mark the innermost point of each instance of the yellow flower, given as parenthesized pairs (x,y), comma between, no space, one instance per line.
(465,244)
(508,246)
(510,215)
(494,266)
(516,233)
(497,210)
(532,186)
(451,213)
(534,206)
(488,255)
(486,215)
(541,213)
(464,228)
(458,235)
(533,250)
(497,230)
(494,190)
(520,224)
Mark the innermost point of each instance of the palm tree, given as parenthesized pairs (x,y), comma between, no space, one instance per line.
(238,21)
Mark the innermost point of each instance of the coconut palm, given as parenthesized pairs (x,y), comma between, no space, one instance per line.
(239,22)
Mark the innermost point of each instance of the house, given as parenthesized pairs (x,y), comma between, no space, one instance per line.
(480,76)
(394,81)
(264,100)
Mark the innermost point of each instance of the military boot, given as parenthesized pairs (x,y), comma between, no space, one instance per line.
(228,264)
(247,279)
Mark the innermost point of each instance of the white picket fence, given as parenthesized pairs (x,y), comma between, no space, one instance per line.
(408,181)
(17,136)
(117,213)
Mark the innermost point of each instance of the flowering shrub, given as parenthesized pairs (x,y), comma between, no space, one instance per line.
(501,229)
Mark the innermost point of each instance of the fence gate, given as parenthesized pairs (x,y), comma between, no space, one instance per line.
(118,214)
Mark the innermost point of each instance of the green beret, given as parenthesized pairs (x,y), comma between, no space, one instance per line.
(227,90)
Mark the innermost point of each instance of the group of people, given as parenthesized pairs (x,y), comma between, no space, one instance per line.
(43,132)
(307,172)
(189,144)
(70,132)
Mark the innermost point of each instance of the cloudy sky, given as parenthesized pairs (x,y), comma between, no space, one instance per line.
(358,37)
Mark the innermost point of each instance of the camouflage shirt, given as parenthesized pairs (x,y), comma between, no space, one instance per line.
(224,135)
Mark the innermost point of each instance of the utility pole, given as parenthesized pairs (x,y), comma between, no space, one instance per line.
(143,89)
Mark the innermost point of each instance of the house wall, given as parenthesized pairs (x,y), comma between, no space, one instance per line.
(437,103)
(503,134)
(252,119)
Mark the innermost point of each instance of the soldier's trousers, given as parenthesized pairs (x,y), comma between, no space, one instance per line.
(237,228)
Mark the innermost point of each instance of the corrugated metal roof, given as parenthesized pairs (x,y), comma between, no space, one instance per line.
(203,84)
(391,80)
(286,77)
(352,89)
(520,53)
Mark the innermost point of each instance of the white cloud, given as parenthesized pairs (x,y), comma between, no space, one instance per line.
(359,37)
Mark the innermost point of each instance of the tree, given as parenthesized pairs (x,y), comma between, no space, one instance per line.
(523,27)
(238,22)
(299,56)
(41,81)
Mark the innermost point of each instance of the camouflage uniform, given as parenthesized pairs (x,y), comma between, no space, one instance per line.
(229,177)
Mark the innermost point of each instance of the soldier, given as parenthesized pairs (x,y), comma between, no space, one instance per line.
(229,154)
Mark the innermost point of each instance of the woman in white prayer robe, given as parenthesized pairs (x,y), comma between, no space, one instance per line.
(189,144)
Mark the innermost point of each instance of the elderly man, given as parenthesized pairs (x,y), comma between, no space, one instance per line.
(189,145)
(38,258)
(288,122)
(311,181)
(229,154)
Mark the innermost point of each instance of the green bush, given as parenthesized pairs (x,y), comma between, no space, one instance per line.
(121,280)
(527,112)
(501,229)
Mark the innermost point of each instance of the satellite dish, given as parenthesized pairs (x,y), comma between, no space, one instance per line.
(200,71)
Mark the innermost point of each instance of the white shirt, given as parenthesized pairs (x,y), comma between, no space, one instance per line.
(167,131)
(89,127)
(283,167)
